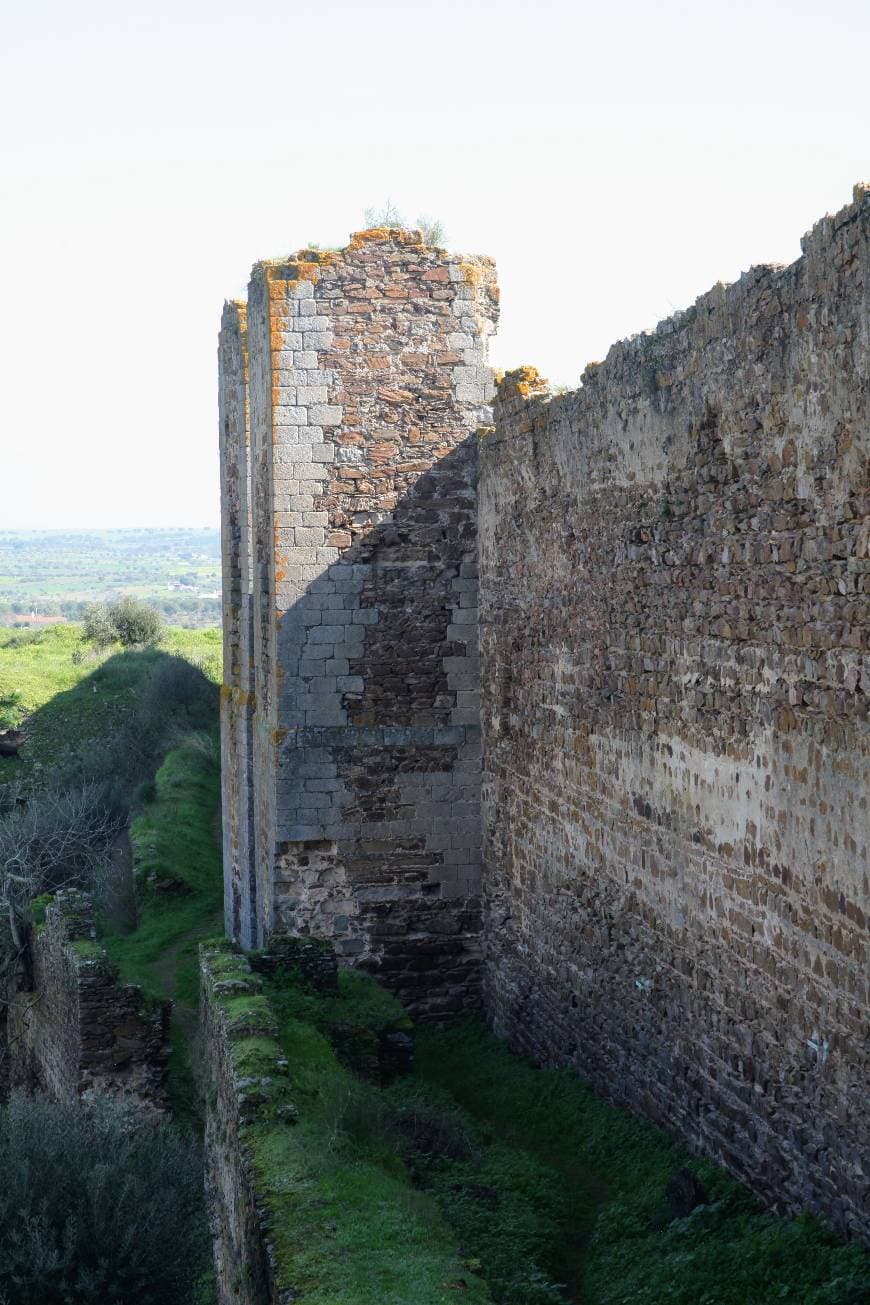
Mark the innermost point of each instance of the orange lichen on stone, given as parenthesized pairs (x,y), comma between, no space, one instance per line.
(526,382)
(319,256)
(473,273)
(239,697)
(382,236)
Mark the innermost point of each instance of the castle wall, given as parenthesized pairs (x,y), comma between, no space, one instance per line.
(367,377)
(241,1097)
(675,644)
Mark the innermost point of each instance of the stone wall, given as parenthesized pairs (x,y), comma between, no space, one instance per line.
(74,1031)
(249,1092)
(674,644)
(366,379)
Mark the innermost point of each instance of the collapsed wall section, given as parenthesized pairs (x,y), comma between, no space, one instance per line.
(674,638)
(74,1031)
(367,378)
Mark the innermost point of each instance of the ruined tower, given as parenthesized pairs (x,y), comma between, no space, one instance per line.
(351,385)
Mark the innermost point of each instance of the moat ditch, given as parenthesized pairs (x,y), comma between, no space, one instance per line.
(531,1190)
(475,1177)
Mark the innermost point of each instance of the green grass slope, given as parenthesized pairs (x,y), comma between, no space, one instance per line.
(70,709)
(179,890)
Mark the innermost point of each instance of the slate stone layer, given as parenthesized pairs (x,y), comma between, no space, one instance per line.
(674,637)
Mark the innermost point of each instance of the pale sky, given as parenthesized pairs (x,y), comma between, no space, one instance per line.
(616,160)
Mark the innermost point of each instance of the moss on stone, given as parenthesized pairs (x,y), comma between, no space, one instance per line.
(343,1225)
(38,909)
(88,950)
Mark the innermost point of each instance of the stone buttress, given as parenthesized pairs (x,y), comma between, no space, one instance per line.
(358,819)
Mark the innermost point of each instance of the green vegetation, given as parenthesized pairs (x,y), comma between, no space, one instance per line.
(179,892)
(90,1211)
(477,1177)
(95,734)
(614,1231)
(56,572)
(347,1223)
(74,712)
(95,731)
(177,867)
(552,1194)
(127,621)
(389,215)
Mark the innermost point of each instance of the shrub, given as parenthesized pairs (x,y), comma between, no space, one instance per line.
(11,710)
(58,838)
(128,621)
(135,622)
(98,626)
(90,1211)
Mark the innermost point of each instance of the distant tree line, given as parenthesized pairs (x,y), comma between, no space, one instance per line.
(192,611)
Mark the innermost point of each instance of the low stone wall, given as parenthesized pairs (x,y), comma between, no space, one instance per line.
(77,1032)
(248,1088)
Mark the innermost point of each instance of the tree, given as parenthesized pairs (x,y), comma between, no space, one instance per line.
(128,621)
(136,622)
(98,626)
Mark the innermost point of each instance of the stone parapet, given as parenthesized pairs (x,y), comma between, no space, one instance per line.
(248,1093)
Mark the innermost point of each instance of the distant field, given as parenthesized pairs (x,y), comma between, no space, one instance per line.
(55,573)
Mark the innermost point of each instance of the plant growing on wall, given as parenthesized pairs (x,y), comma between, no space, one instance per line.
(389,215)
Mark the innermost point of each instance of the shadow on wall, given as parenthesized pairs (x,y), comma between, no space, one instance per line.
(378,784)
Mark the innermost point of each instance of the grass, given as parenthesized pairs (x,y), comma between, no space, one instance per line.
(346,1222)
(613,1168)
(70,709)
(112,718)
(552,1194)
(179,885)
(82,717)
(479,1177)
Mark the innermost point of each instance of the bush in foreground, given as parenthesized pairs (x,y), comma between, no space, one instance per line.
(91,1212)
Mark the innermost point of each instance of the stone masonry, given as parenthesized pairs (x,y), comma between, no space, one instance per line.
(75,1032)
(674,669)
(351,387)
(675,652)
